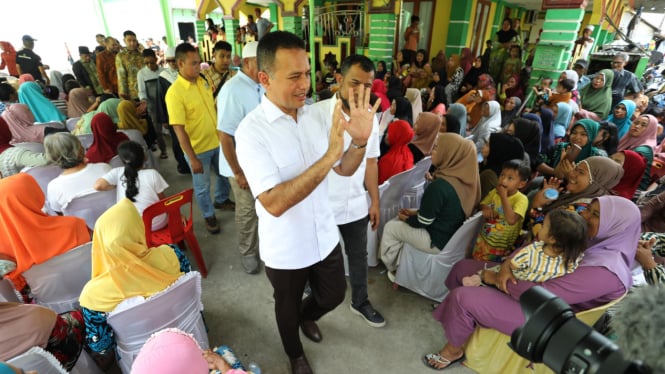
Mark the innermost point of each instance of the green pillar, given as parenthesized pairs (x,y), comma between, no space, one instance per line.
(165,5)
(312,48)
(382,29)
(99,8)
(458,27)
(554,50)
(292,24)
(273,16)
(498,19)
(231,26)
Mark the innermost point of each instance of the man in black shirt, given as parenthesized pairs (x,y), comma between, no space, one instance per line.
(28,62)
(624,81)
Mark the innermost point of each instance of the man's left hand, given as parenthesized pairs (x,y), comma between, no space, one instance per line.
(374,216)
(361,115)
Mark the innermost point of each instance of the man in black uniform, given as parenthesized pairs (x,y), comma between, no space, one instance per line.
(28,62)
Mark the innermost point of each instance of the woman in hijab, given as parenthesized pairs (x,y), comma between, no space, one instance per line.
(23,326)
(439,62)
(512,88)
(109,106)
(596,97)
(471,78)
(14,159)
(398,158)
(455,77)
(22,200)
(643,131)
(528,132)
(621,116)
(437,100)
(466,60)
(510,108)
(446,203)
(56,80)
(582,135)
(490,122)
(79,102)
(128,119)
(499,148)
(633,165)
(30,93)
(458,111)
(473,100)
(379,89)
(425,129)
(105,139)
(123,267)
(602,276)
(573,76)
(561,122)
(20,120)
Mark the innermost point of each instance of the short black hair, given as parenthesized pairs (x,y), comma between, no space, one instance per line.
(148,53)
(183,49)
(568,84)
(51,92)
(102,35)
(365,64)
(569,231)
(6,91)
(520,167)
(271,43)
(415,19)
(70,85)
(221,46)
(128,33)
(548,80)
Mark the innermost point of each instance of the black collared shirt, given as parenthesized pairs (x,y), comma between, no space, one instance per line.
(29,62)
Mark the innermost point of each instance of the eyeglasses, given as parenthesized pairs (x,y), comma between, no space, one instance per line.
(641,123)
(617,62)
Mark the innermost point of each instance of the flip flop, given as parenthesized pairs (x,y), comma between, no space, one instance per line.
(439,360)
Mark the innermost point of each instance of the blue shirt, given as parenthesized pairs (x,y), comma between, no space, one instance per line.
(239,96)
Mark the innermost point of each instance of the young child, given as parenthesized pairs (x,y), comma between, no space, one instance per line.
(503,208)
(563,93)
(541,91)
(558,251)
(142,186)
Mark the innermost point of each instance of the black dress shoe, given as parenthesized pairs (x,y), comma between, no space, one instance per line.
(311,330)
(300,366)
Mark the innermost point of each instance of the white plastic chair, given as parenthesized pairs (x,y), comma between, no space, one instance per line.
(373,236)
(8,293)
(177,306)
(38,360)
(44,174)
(86,140)
(414,194)
(57,283)
(116,162)
(392,197)
(90,206)
(71,123)
(31,146)
(136,136)
(425,273)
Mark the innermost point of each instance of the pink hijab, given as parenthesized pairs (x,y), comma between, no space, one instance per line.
(21,121)
(648,137)
(170,351)
(25,78)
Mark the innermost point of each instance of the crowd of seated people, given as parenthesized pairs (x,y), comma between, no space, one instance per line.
(492,149)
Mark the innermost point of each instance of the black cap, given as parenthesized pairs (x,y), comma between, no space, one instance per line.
(28,38)
(83,50)
(582,63)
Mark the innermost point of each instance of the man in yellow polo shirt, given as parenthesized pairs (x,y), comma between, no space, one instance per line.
(193,115)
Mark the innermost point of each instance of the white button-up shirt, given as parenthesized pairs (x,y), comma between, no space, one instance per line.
(272,148)
(347,194)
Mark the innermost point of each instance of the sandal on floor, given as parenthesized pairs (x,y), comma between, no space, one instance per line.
(440,360)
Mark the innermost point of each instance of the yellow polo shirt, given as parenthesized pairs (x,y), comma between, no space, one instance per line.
(192,105)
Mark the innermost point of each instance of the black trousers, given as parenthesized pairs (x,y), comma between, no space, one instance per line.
(326,279)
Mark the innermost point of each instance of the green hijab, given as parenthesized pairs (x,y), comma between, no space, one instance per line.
(109,107)
(647,153)
(591,127)
(599,100)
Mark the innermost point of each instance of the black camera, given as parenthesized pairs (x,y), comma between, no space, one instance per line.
(552,335)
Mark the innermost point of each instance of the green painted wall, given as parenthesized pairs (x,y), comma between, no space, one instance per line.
(292,24)
(381,37)
(458,27)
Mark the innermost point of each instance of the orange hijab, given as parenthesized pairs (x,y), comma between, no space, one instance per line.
(28,235)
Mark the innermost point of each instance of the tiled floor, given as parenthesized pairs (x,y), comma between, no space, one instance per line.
(239,313)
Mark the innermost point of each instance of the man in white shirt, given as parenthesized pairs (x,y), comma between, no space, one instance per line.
(263,26)
(347,194)
(239,96)
(286,152)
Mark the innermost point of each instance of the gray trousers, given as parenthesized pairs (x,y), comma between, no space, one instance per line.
(247,223)
(354,235)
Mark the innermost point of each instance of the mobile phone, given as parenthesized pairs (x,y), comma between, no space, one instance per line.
(572,152)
